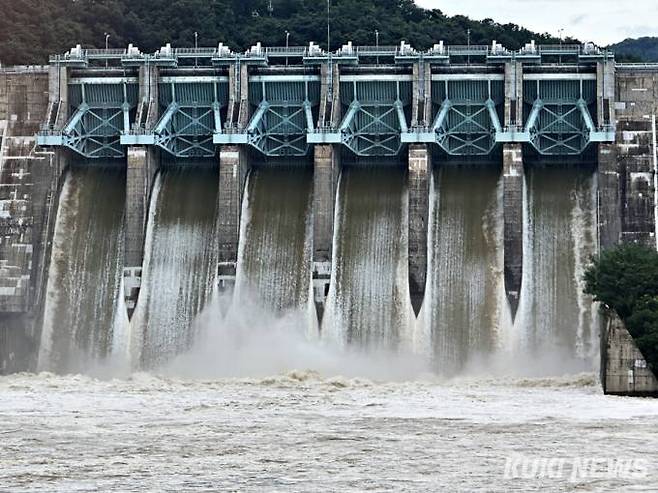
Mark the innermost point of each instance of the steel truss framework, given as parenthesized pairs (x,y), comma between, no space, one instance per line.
(102,113)
(376,116)
(192,115)
(283,116)
(468,119)
(559,115)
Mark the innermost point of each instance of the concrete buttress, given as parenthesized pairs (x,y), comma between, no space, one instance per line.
(141,167)
(419,172)
(513,222)
(326,170)
(233,167)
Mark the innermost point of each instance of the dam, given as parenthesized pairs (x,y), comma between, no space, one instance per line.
(443,202)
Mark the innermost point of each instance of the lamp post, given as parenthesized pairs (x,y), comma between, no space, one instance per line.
(377,44)
(196,47)
(107,46)
(328,26)
(560,32)
(468,46)
(287,44)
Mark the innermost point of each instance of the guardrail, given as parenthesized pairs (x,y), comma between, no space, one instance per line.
(169,54)
(286,51)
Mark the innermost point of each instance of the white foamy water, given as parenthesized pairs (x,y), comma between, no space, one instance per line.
(179,264)
(274,264)
(554,316)
(83,291)
(465,311)
(368,303)
(303,432)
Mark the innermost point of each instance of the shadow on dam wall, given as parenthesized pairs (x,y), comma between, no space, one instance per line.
(465,319)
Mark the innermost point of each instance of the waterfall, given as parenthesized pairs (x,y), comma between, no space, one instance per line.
(274,266)
(180,262)
(83,289)
(555,317)
(368,304)
(465,313)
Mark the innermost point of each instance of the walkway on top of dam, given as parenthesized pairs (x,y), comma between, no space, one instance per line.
(373,100)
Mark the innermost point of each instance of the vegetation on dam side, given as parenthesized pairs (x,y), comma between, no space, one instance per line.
(30,30)
(625,278)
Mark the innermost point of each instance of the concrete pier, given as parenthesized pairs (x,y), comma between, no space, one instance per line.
(513,222)
(233,168)
(142,164)
(418,180)
(326,171)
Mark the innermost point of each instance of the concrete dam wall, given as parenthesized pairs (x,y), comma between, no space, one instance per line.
(394,199)
(29,182)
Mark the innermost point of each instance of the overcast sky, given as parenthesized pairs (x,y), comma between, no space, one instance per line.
(601,21)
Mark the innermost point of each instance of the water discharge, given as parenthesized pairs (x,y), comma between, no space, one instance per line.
(83,291)
(465,312)
(276,239)
(179,263)
(555,317)
(368,304)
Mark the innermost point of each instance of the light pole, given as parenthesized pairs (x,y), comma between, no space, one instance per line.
(196,47)
(107,46)
(377,44)
(468,46)
(328,26)
(287,44)
(560,32)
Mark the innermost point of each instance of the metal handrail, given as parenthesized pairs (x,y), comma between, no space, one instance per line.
(459,49)
(283,50)
(195,51)
(647,65)
(377,50)
(571,48)
(83,55)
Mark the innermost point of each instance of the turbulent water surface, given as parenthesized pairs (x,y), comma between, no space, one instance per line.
(300,432)
(86,266)
(226,411)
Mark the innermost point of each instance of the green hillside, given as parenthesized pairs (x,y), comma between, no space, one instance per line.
(640,49)
(32,29)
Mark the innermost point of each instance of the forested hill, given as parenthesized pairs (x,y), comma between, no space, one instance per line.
(640,49)
(32,29)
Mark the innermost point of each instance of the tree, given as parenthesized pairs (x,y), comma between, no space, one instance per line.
(625,278)
(29,32)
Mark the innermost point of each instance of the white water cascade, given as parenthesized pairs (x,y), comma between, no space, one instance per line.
(179,263)
(81,313)
(276,239)
(465,315)
(555,317)
(368,304)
